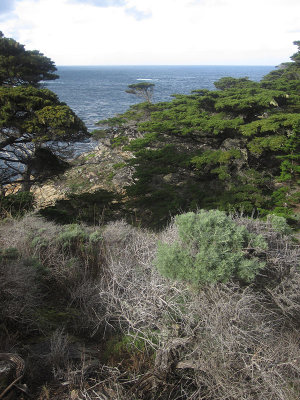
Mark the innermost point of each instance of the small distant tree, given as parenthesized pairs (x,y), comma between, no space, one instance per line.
(142,89)
(296,57)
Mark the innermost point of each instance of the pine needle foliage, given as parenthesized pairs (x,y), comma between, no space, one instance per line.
(211,248)
(238,146)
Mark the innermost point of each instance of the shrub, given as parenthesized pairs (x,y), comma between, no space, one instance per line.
(279,224)
(91,208)
(96,237)
(211,247)
(17,204)
(10,253)
(72,234)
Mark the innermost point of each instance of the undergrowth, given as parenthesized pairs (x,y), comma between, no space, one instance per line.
(92,316)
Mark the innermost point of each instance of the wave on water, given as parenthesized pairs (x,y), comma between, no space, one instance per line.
(100,92)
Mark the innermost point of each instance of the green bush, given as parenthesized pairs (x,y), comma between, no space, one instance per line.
(72,234)
(10,253)
(92,208)
(211,247)
(96,237)
(279,224)
(17,204)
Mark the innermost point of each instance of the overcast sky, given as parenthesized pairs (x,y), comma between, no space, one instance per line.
(155,32)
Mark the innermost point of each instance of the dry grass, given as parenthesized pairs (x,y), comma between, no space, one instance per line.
(221,341)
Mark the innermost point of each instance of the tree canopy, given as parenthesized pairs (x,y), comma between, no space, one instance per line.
(31,118)
(234,148)
(23,67)
(142,89)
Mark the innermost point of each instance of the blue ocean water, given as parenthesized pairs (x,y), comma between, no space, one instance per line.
(98,92)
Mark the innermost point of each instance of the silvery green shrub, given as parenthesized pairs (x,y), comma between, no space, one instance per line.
(211,247)
(279,224)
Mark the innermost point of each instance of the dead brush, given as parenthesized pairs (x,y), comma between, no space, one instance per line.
(223,341)
(213,342)
(20,294)
(58,358)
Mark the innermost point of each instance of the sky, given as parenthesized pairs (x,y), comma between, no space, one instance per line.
(155,32)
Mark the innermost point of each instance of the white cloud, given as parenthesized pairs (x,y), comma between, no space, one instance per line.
(137,14)
(101,3)
(96,32)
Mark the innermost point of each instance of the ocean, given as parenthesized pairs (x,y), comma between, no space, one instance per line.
(98,92)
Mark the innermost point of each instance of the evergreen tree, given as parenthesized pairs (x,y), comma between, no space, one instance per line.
(234,148)
(32,120)
(142,89)
(23,67)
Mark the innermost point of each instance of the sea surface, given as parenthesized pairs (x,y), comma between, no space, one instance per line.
(97,93)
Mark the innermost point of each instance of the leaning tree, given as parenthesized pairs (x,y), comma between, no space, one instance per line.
(33,121)
(142,89)
(23,67)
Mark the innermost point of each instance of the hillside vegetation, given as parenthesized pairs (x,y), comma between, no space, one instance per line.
(206,305)
(235,148)
(117,312)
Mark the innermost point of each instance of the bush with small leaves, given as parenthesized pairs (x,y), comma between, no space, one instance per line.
(16,205)
(72,234)
(72,239)
(96,237)
(279,224)
(210,248)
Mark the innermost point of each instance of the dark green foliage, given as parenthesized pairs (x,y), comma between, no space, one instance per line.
(16,204)
(45,164)
(155,193)
(211,248)
(23,67)
(230,83)
(38,114)
(30,117)
(92,208)
(228,148)
(142,89)
(250,103)
(221,159)
(286,77)
(119,141)
(141,143)
(10,253)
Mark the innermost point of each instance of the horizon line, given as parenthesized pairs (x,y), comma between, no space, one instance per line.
(166,65)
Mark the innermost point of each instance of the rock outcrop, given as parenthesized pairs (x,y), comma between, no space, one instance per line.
(103,168)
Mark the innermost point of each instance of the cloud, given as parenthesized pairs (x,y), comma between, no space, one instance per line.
(207,3)
(101,3)
(132,11)
(121,32)
(295,30)
(137,14)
